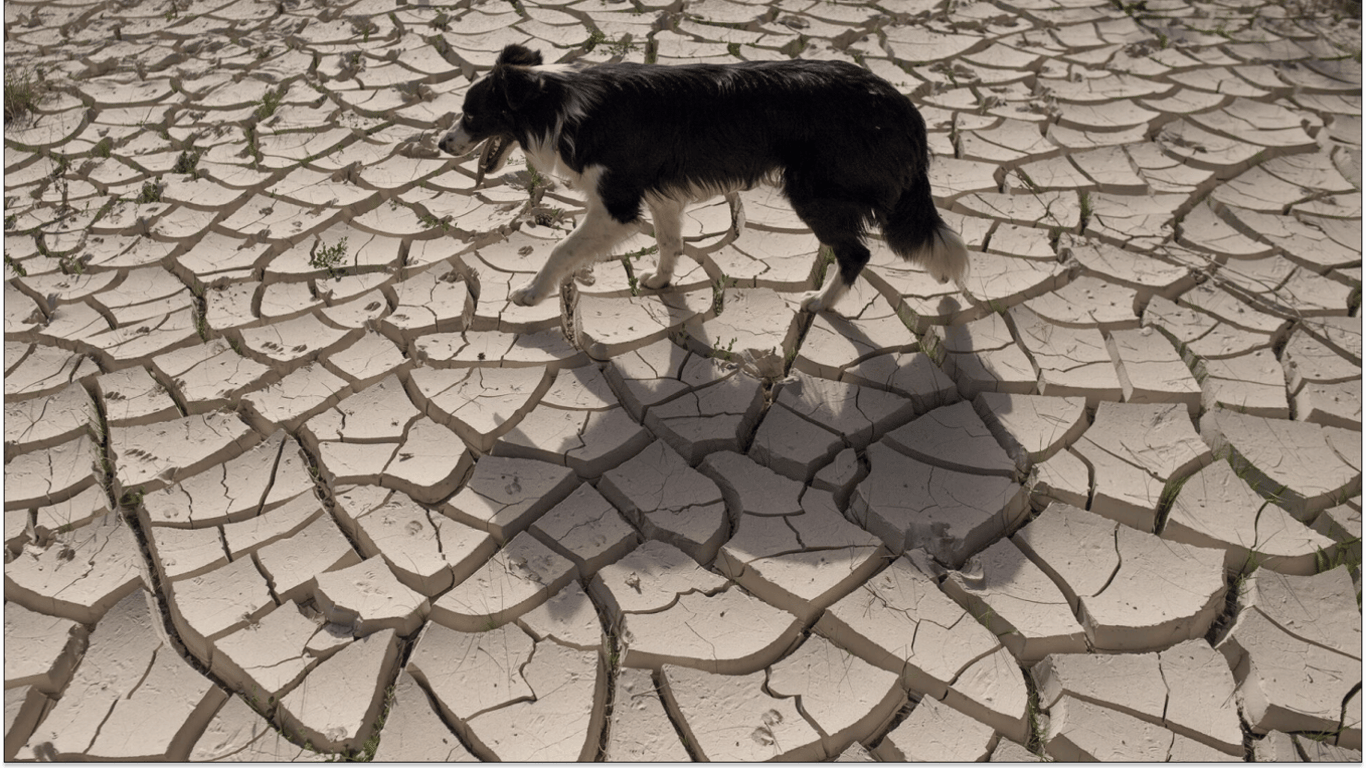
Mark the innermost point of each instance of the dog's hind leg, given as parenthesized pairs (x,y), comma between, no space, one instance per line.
(838,225)
(667,215)
(850,256)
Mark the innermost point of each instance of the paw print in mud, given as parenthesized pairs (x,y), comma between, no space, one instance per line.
(763,735)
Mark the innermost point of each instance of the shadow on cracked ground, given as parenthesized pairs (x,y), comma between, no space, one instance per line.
(287,475)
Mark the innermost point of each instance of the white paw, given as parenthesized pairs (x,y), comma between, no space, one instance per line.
(655,280)
(525,295)
(813,302)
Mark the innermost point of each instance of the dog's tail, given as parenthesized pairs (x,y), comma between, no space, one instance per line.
(916,233)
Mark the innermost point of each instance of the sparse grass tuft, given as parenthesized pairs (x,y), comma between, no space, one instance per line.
(23,90)
(824,258)
(371,745)
(1164,502)
(1343,554)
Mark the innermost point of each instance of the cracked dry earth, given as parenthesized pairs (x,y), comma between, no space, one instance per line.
(287,476)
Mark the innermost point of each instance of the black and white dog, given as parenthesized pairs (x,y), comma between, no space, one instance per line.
(847,149)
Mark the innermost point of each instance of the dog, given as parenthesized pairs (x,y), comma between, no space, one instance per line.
(847,149)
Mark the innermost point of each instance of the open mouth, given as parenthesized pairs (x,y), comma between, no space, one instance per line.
(496,151)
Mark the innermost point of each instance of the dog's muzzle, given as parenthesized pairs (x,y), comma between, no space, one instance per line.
(458,142)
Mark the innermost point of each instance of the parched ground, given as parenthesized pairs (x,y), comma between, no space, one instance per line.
(287,477)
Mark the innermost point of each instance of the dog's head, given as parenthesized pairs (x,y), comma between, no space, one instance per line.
(491,104)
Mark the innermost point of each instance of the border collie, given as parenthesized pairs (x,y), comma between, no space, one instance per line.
(847,149)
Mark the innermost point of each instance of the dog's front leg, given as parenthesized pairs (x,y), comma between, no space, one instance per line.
(668,220)
(594,237)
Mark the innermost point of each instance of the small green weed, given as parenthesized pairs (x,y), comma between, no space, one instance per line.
(646,251)
(431,222)
(270,101)
(151,192)
(727,352)
(364,27)
(1027,181)
(328,257)
(61,164)
(188,162)
(71,264)
(538,182)
(132,498)
(621,47)
(253,145)
(718,293)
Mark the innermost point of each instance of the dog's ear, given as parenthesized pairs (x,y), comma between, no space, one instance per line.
(519,55)
(518,86)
